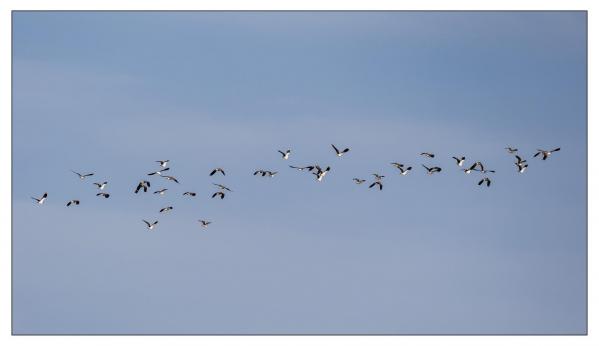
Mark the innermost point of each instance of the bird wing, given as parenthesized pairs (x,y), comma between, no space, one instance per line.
(334,147)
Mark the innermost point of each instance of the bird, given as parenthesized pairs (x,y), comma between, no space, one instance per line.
(160,171)
(150,225)
(378,177)
(485,179)
(432,169)
(405,171)
(220,194)
(309,168)
(168,177)
(521,167)
(205,223)
(42,199)
(222,187)
(545,153)
(103,194)
(429,155)
(340,153)
(163,163)
(73,201)
(511,150)
(459,160)
(485,171)
(101,186)
(358,180)
(265,173)
(144,184)
(161,192)
(470,169)
(82,176)
(479,164)
(320,173)
(165,209)
(377,183)
(285,154)
(187,193)
(217,170)
(397,165)
(520,160)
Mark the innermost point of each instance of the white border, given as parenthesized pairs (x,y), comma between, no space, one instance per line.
(7,6)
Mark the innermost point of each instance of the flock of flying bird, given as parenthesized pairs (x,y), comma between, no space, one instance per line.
(319,173)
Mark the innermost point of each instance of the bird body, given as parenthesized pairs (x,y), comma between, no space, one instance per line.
(340,152)
(165,209)
(101,186)
(150,225)
(161,192)
(205,223)
(285,154)
(103,194)
(73,202)
(160,171)
(163,163)
(42,199)
(144,184)
(358,180)
(459,160)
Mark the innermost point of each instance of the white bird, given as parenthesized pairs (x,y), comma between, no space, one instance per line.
(165,209)
(83,176)
(161,192)
(163,163)
(285,154)
(171,178)
(42,199)
(144,184)
(73,201)
(150,225)
(160,171)
(485,179)
(546,153)
(340,152)
(101,186)
(205,223)
(459,160)
(432,169)
(103,194)
(217,170)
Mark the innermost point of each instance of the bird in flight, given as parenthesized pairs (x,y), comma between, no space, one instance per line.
(165,209)
(42,199)
(520,160)
(511,150)
(521,166)
(397,165)
(150,225)
(101,186)
(404,171)
(358,180)
(485,180)
(161,192)
(222,187)
(83,176)
(217,170)
(163,163)
(459,160)
(73,202)
(285,154)
(320,173)
(144,184)
(160,171)
(205,223)
(379,183)
(187,193)
(340,152)
(432,169)
(171,178)
(470,169)
(103,194)
(545,153)
(220,194)
(429,155)
(265,173)
(309,168)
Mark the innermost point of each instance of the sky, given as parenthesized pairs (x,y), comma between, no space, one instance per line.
(112,92)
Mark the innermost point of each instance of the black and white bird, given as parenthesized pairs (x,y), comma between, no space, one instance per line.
(320,173)
(160,171)
(285,154)
(545,153)
(397,165)
(220,194)
(205,223)
(163,163)
(521,166)
(378,177)
(339,152)
(144,184)
(520,160)
(379,183)
(42,199)
(470,169)
(150,225)
(161,192)
(188,193)
(101,186)
(103,194)
(222,187)
(479,165)
(485,180)
(511,150)
(73,202)
(429,155)
(83,176)
(309,168)
(171,178)
(432,170)
(217,170)
(358,180)
(165,209)
(404,171)
(265,173)
(459,160)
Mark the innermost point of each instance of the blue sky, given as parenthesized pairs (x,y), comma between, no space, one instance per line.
(113,92)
